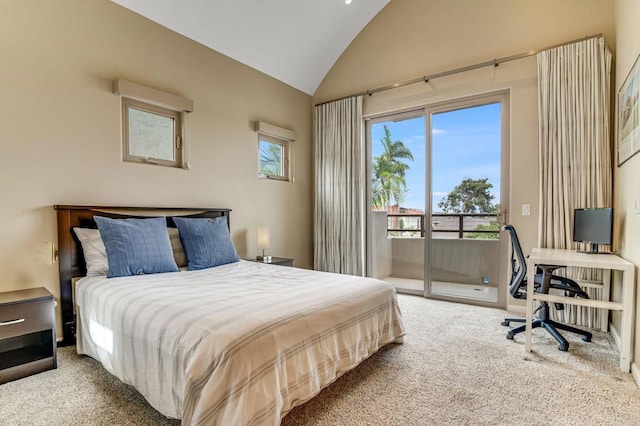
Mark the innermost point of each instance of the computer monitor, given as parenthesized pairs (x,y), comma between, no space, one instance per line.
(594,226)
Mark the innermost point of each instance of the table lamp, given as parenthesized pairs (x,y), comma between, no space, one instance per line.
(263,242)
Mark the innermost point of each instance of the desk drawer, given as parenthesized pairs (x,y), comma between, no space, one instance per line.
(28,317)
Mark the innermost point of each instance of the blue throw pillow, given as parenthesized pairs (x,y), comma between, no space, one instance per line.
(206,242)
(136,246)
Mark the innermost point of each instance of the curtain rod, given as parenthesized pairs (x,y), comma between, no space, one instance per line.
(494,63)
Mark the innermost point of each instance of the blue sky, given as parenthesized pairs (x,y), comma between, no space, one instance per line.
(466,143)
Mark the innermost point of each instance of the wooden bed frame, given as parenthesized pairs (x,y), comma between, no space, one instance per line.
(70,257)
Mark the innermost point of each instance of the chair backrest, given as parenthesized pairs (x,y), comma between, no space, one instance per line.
(518,263)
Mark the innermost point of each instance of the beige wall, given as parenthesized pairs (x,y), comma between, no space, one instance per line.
(411,38)
(61,131)
(626,187)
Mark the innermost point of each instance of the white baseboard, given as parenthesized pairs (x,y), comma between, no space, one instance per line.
(616,336)
(635,371)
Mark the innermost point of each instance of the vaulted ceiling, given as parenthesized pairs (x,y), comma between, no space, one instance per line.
(294,41)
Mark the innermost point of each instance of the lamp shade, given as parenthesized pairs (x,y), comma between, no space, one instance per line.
(262,237)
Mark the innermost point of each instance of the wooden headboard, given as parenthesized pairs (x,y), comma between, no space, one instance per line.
(70,257)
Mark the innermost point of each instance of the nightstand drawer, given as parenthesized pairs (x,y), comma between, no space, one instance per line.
(26,317)
(27,333)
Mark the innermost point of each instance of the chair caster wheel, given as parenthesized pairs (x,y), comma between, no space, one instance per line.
(510,335)
(563,348)
(505,323)
(586,338)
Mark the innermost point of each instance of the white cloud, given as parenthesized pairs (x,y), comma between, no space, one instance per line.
(437,131)
(440,193)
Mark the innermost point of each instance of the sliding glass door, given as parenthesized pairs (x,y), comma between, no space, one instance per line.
(438,184)
(397,200)
(464,248)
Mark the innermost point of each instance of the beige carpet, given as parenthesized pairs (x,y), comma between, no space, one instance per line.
(455,367)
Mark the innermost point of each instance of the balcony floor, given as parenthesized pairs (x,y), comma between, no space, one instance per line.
(467,291)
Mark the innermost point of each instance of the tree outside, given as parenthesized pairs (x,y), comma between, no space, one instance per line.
(270,158)
(473,196)
(469,196)
(388,172)
(494,226)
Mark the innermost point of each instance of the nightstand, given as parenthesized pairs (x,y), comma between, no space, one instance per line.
(282,261)
(27,333)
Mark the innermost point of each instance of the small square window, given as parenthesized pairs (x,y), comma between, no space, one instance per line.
(273,158)
(151,134)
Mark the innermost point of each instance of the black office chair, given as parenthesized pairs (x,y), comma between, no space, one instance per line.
(543,282)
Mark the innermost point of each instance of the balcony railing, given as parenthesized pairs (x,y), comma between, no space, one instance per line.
(413,225)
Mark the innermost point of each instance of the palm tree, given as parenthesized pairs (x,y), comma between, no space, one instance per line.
(388,180)
(270,159)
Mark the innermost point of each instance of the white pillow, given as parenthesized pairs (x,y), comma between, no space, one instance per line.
(95,253)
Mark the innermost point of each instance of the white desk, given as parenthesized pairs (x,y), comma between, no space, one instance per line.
(561,257)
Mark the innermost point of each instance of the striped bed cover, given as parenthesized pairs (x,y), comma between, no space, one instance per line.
(239,344)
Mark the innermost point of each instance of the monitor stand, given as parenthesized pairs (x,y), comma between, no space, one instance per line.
(594,250)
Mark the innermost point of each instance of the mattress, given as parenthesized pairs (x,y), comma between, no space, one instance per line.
(242,343)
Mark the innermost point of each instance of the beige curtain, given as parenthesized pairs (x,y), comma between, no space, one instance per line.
(574,149)
(339,187)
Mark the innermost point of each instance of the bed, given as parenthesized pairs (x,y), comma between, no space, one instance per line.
(240,343)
